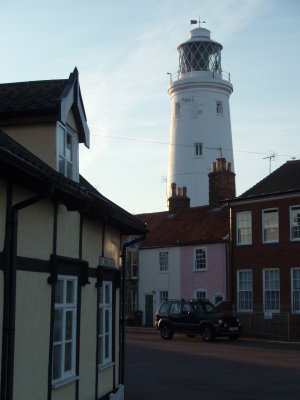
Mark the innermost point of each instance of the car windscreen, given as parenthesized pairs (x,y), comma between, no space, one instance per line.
(205,307)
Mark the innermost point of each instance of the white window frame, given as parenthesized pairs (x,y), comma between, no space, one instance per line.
(105,332)
(271,289)
(199,259)
(61,153)
(198,150)
(293,224)
(295,292)
(163,259)
(245,290)
(65,307)
(243,223)
(198,294)
(215,295)
(134,266)
(265,229)
(163,295)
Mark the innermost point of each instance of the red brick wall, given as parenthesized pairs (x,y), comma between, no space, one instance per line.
(258,256)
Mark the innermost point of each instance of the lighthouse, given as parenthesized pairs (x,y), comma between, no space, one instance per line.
(200,129)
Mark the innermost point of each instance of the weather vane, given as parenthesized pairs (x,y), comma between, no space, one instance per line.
(194,21)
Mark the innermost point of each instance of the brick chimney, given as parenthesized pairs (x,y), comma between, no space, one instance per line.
(221,182)
(178,199)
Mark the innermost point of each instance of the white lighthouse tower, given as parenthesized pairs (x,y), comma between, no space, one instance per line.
(200,129)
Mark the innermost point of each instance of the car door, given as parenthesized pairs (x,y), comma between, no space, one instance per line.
(175,315)
(189,321)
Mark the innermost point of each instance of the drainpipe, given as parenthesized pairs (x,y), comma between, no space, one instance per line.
(7,387)
(123,304)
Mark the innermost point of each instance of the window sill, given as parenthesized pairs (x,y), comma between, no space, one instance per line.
(163,272)
(244,244)
(65,381)
(105,366)
(200,270)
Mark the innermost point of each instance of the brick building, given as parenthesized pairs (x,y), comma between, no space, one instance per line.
(266,253)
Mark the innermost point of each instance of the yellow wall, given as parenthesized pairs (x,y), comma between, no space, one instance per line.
(33,299)
(92,242)
(66,392)
(68,231)
(32,336)
(105,381)
(39,139)
(35,227)
(88,329)
(112,243)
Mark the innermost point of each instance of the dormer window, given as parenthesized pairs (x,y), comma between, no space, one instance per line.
(67,152)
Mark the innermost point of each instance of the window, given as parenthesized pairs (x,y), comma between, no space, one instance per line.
(200,259)
(105,324)
(163,261)
(244,288)
(295,277)
(219,106)
(244,228)
(295,222)
(177,109)
(270,226)
(163,296)
(134,264)
(217,298)
(271,290)
(67,152)
(64,332)
(198,149)
(175,308)
(200,294)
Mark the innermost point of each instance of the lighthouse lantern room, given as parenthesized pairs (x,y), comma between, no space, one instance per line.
(200,130)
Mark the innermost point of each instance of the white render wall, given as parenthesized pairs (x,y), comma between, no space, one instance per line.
(197,94)
(152,281)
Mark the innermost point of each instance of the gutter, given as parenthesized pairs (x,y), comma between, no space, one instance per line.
(10,280)
(123,306)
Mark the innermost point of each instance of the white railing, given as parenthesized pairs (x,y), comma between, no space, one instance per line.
(212,74)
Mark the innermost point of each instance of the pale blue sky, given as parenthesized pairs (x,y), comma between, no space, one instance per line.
(123,51)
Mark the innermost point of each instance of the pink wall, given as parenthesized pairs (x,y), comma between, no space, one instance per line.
(213,280)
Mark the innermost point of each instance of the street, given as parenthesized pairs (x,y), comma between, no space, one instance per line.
(185,368)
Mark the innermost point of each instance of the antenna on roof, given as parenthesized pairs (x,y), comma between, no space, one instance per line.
(194,21)
(271,158)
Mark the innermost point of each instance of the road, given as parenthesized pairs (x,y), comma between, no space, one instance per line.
(186,368)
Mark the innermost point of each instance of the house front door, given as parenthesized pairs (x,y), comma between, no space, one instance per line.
(149,310)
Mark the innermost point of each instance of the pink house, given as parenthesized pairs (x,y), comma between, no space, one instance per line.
(186,251)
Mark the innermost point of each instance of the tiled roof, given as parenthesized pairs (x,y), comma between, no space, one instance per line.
(26,98)
(285,179)
(189,226)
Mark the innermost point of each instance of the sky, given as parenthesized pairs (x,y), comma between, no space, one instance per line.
(124,49)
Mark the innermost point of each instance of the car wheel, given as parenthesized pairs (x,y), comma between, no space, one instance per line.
(208,334)
(166,332)
(234,337)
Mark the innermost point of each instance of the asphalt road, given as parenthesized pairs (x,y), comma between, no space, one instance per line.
(187,368)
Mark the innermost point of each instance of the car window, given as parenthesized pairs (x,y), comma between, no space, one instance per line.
(164,308)
(175,308)
(187,308)
(208,307)
(199,308)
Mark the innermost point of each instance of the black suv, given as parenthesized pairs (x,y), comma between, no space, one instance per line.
(194,317)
